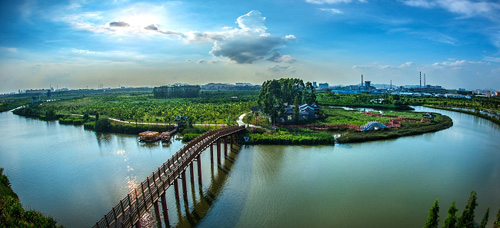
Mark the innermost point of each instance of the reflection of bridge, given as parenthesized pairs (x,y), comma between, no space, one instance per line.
(130,209)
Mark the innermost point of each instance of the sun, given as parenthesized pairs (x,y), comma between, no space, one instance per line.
(143,20)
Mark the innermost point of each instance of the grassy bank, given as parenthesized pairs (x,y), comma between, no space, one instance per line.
(288,137)
(440,122)
(12,213)
(494,120)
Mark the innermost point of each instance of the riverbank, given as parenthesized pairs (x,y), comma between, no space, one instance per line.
(492,119)
(12,213)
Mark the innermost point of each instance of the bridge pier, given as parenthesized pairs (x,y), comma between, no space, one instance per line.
(199,170)
(191,172)
(165,209)
(225,147)
(218,151)
(230,142)
(176,188)
(184,188)
(157,214)
(212,153)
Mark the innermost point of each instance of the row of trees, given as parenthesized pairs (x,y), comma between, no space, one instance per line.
(275,93)
(464,221)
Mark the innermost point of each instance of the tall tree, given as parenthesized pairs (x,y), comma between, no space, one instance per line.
(484,221)
(496,224)
(433,218)
(296,110)
(467,218)
(451,219)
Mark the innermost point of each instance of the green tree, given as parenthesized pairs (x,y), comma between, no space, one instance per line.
(433,218)
(451,219)
(496,224)
(296,110)
(467,218)
(484,221)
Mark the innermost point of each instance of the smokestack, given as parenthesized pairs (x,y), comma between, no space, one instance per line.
(420,79)
(391,84)
(361,80)
(424,81)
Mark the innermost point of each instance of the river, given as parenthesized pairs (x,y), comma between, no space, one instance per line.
(76,176)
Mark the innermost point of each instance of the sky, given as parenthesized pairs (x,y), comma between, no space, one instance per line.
(80,43)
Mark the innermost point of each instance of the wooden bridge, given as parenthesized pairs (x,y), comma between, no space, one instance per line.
(130,209)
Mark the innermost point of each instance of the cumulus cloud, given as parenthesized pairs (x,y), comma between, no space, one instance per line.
(246,44)
(465,8)
(118,24)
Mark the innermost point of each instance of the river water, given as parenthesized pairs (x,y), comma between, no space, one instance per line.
(76,176)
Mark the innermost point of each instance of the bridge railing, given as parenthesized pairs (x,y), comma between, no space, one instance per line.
(135,204)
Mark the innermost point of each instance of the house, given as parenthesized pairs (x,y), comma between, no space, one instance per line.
(305,112)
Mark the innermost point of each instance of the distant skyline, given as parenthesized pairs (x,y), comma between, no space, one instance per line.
(81,43)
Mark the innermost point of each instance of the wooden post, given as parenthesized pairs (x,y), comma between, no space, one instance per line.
(157,214)
(212,153)
(218,151)
(165,210)
(138,223)
(191,172)
(230,142)
(199,170)
(225,146)
(176,188)
(184,188)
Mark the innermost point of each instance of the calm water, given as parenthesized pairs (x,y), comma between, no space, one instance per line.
(76,176)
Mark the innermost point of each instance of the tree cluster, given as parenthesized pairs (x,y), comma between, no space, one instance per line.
(275,93)
(464,221)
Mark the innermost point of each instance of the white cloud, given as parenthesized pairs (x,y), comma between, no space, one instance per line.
(331,10)
(8,49)
(321,2)
(454,64)
(247,43)
(381,67)
(278,68)
(465,8)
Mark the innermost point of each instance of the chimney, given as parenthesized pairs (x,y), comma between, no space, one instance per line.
(420,79)
(424,81)
(361,80)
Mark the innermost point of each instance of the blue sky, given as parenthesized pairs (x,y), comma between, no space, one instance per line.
(80,43)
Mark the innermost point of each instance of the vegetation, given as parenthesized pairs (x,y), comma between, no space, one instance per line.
(364,100)
(275,93)
(12,214)
(451,219)
(408,128)
(289,137)
(12,103)
(465,221)
(144,108)
(433,218)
